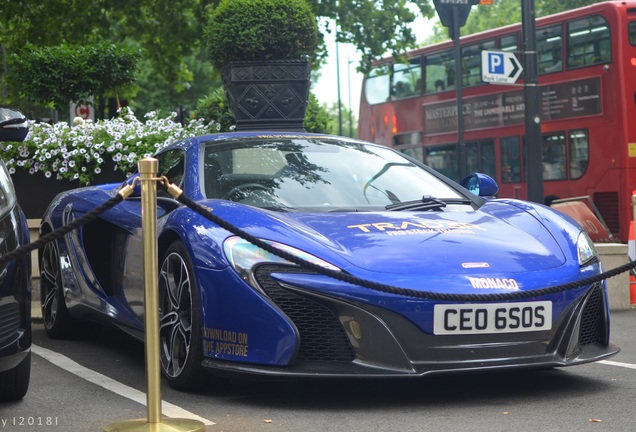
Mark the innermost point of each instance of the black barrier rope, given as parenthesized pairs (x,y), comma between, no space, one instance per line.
(335,274)
(346,277)
(54,235)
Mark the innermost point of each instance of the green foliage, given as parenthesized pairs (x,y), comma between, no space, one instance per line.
(215,109)
(375,27)
(168,32)
(61,74)
(317,117)
(171,31)
(344,115)
(247,30)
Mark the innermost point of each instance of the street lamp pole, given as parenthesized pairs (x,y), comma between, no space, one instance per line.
(532,97)
(338,79)
(349,88)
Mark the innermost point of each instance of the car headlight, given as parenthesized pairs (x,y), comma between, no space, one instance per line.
(585,249)
(243,256)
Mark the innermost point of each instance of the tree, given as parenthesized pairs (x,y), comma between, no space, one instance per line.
(62,74)
(349,129)
(168,31)
(375,27)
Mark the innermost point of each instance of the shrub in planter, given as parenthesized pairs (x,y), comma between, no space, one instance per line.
(249,30)
(263,49)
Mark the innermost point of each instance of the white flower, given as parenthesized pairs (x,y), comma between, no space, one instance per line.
(78,121)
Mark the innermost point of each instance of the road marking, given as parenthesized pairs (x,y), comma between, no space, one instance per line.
(69,365)
(613,363)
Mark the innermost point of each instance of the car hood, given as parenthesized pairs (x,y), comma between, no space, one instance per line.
(506,239)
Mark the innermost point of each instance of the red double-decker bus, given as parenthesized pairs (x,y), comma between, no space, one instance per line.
(587,76)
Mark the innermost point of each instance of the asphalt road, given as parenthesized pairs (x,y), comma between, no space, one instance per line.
(87,385)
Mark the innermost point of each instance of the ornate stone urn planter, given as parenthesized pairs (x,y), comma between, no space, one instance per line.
(268,95)
(263,49)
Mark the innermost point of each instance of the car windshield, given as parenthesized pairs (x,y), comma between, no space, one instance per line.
(317,174)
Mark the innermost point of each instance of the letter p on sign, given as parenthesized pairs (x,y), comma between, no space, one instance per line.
(495,63)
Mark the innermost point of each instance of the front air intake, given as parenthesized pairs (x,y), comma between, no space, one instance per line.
(322,337)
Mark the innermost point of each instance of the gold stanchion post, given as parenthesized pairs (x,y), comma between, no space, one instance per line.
(148,170)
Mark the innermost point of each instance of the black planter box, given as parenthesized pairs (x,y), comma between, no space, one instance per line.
(268,95)
(35,191)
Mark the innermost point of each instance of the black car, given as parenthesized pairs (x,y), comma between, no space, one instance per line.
(15,276)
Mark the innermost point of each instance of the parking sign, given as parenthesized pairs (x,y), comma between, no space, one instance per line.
(500,67)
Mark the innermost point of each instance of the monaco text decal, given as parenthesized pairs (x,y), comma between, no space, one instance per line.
(494,283)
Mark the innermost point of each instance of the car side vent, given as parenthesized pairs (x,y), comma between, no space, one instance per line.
(322,337)
(591,318)
(9,321)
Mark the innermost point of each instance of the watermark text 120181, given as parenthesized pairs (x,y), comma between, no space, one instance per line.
(28,421)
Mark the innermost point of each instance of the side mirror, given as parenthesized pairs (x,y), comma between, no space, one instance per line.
(480,184)
(13,125)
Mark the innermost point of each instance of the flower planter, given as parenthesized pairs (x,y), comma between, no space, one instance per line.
(35,191)
(268,95)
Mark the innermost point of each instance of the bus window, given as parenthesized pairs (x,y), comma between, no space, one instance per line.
(416,153)
(510,160)
(410,144)
(588,42)
(480,157)
(553,156)
(443,158)
(549,47)
(509,43)
(407,79)
(407,139)
(440,72)
(579,153)
(377,86)
(471,62)
(631,33)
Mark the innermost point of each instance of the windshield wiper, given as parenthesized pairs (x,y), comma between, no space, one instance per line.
(426,203)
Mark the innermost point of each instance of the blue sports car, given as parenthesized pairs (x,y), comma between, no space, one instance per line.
(354,209)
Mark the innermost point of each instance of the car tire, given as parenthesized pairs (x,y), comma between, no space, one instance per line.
(14,383)
(57,320)
(181,350)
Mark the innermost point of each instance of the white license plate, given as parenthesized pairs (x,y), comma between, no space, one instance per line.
(492,318)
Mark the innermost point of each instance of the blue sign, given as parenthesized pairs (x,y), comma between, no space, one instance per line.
(495,63)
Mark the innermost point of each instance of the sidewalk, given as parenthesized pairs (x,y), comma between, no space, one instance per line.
(36,310)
